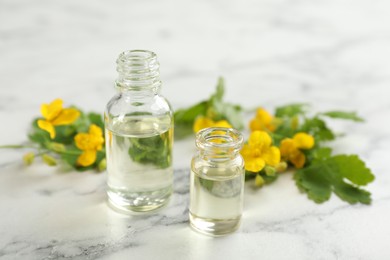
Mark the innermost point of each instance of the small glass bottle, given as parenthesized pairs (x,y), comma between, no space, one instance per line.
(217,182)
(139,136)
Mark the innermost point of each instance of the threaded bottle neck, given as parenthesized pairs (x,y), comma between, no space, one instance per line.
(138,69)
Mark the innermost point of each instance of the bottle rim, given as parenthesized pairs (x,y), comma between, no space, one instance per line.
(136,55)
(220,138)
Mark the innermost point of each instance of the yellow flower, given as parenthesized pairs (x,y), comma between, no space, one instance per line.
(291,148)
(55,115)
(204,122)
(89,143)
(263,121)
(259,152)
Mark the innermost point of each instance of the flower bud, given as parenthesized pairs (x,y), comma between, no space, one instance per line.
(49,160)
(102,165)
(57,147)
(28,158)
(269,171)
(259,181)
(281,167)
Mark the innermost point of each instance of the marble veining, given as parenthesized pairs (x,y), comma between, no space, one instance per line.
(333,54)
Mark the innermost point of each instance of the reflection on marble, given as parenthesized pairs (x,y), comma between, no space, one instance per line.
(333,54)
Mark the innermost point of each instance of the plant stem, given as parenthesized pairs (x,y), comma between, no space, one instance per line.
(15,146)
(68,152)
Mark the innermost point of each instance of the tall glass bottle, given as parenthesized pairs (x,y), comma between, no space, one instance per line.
(139,136)
(217,182)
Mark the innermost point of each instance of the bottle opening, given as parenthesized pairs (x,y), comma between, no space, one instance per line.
(136,55)
(219,140)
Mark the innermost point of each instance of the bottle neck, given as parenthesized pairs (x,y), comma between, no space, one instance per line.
(219,144)
(138,71)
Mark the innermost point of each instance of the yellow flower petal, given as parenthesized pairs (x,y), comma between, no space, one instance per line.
(52,110)
(83,141)
(47,126)
(87,158)
(260,139)
(271,156)
(95,130)
(96,135)
(264,116)
(255,124)
(298,159)
(222,123)
(262,121)
(303,141)
(254,164)
(93,140)
(66,116)
(246,152)
(287,146)
(202,122)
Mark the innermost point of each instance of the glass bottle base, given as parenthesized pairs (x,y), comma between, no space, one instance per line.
(128,202)
(214,227)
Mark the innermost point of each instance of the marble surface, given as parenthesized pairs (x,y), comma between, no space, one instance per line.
(331,53)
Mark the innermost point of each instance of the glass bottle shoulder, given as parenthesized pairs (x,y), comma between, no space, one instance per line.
(217,169)
(127,115)
(124,104)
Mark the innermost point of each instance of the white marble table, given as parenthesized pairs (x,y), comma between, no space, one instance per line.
(334,54)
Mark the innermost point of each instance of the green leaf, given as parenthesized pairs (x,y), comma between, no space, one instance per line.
(219,110)
(343,115)
(214,108)
(184,119)
(291,110)
(315,184)
(82,123)
(324,176)
(182,130)
(269,179)
(188,115)
(220,90)
(71,155)
(231,113)
(321,153)
(39,137)
(318,128)
(284,130)
(352,194)
(207,184)
(353,169)
(65,134)
(249,175)
(96,119)
(154,150)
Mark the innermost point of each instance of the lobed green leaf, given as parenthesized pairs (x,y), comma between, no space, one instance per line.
(318,128)
(291,110)
(343,115)
(330,174)
(97,119)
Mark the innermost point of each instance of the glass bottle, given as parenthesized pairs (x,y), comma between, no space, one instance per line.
(217,182)
(139,136)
